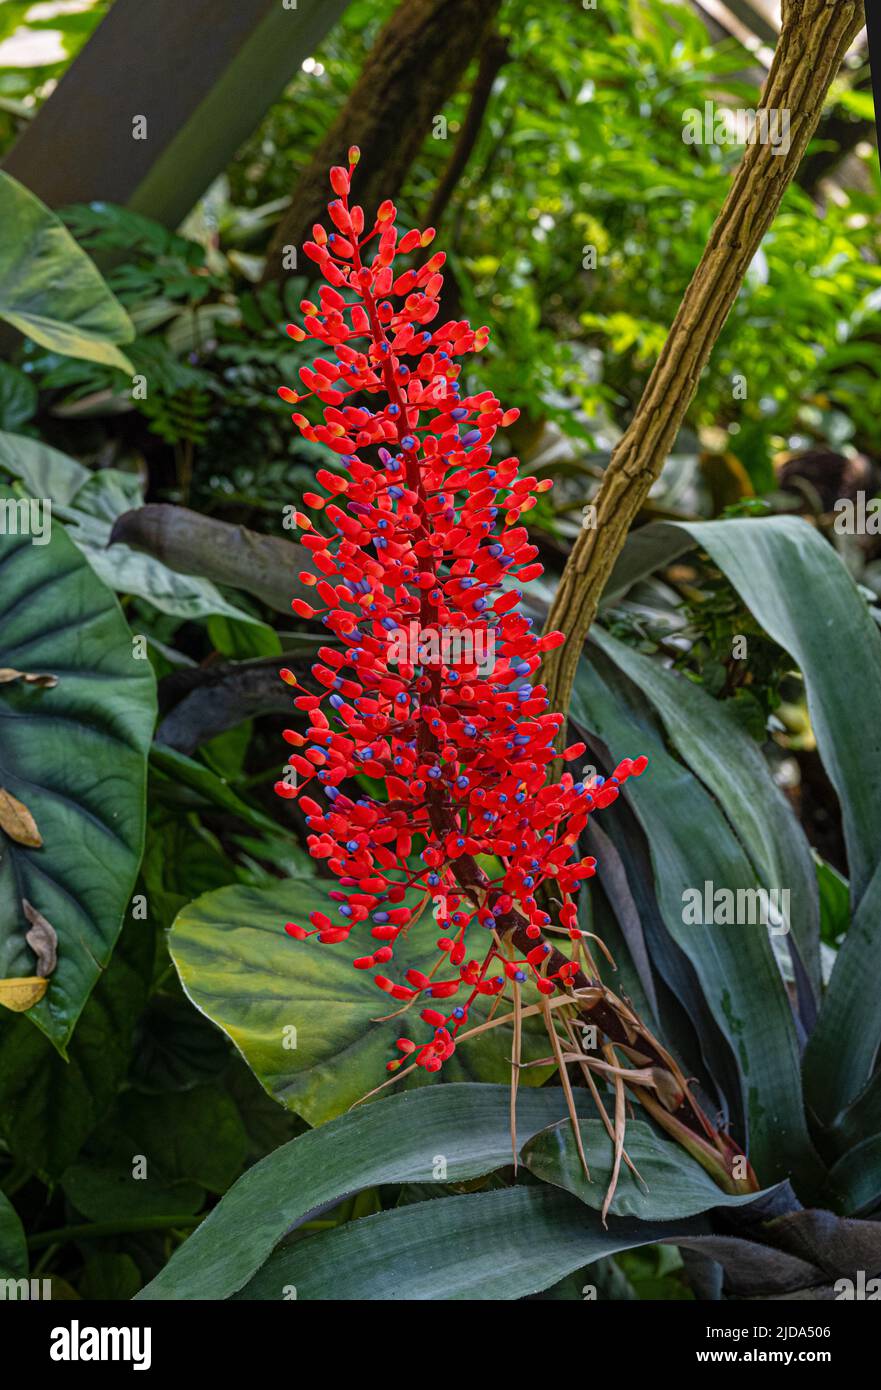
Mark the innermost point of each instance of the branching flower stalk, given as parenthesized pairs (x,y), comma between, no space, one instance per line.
(426,538)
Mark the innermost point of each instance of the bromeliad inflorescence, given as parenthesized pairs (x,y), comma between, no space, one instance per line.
(427,537)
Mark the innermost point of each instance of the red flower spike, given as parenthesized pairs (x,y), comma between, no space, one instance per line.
(426,681)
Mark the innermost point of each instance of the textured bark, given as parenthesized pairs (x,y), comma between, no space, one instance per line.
(842,132)
(814,38)
(414,66)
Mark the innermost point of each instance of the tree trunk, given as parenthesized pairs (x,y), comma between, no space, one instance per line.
(412,69)
(494,54)
(814,38)
(230,62)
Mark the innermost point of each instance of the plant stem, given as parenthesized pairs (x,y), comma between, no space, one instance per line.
(814,38)
(97,1230)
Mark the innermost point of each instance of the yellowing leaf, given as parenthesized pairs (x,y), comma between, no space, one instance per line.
(17,821)
(21,995)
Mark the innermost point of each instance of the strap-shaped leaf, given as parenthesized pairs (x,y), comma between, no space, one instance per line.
(499,1245)
(691,843)
(802,595)
(446,1133)
(439,1134)
(800,592)
(728,762)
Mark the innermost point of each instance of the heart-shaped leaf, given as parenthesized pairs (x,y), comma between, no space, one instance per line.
(89,504)
(304,1020)
(75,756)
(50,290)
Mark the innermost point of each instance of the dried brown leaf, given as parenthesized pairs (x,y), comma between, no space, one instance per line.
(17,821)
(42,940)
(8,674)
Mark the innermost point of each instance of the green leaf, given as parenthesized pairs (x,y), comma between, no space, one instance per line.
(18,397)
(177,1048)
(691,843)
(499,1245)
(396,1140)
(673,1185)
(302,1017)
(800,592)
(13,1244)
(854,1183)
(90,503)
(714,744)
(75,756)
(862,1117)
(243,641)
(49,1106)
(843,1048)
(156,1155)
(834,902)
(207,786)
(50,290)
(110,1278)
(108,1192)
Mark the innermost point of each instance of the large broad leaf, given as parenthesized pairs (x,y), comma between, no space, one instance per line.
(489,1245)
(191,1142)
(75,756)
(50,290)
(691,843)
(303,1018)
(726,759)
(437,1135)
(89,504)
(50,1105)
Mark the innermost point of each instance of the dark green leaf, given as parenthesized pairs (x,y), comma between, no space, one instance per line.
(89,808)
(488,1245)
(690,844)
(13,1245)
(438,1135)
(18,397)
(673,1186)
(48,1107)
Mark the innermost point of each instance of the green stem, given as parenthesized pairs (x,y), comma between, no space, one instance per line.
(96,1230)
